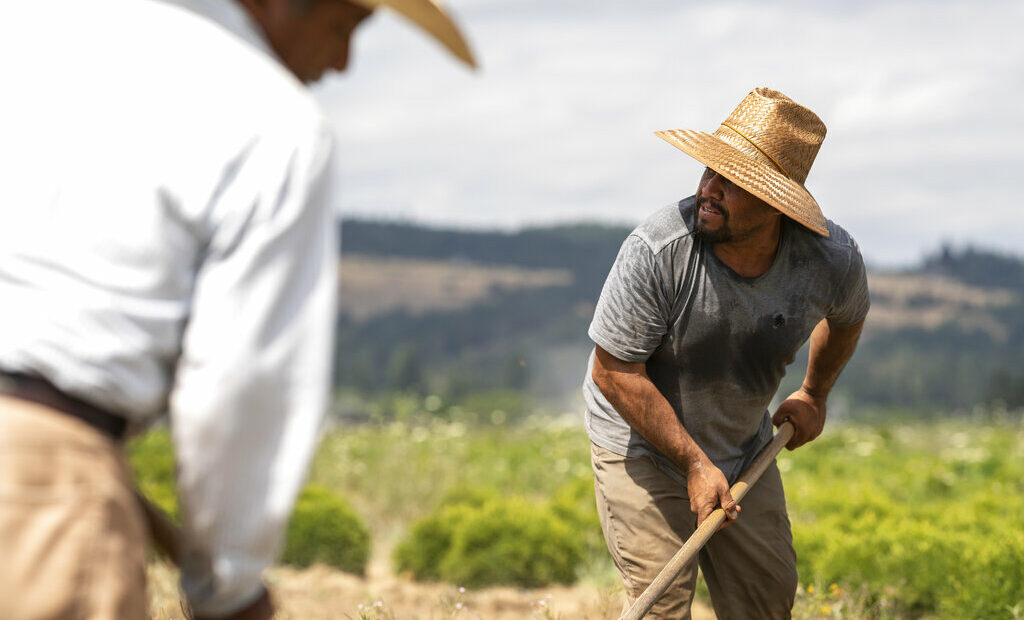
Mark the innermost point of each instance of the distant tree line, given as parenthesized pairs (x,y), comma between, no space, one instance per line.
(503,343)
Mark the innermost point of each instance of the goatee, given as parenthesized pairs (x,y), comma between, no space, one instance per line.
(723,233)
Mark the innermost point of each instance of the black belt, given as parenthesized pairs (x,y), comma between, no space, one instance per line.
(42,392)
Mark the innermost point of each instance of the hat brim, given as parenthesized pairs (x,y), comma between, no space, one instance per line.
(759,178)
(432,19)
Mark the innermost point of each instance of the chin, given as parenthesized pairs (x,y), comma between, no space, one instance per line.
(712,236)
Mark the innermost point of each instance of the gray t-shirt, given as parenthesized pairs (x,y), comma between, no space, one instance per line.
(716,344)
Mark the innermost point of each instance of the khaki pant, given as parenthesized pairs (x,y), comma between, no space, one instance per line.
(72,538)
(750,566)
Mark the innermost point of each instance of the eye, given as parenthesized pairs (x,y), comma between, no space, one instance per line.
(710,174)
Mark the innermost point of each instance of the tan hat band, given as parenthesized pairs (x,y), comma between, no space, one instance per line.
(763,152)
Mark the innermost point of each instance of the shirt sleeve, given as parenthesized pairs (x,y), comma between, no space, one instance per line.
(253,375)
(632,314)
(852,299)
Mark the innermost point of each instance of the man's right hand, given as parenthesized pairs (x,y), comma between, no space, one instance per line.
(708,488)
(628,388)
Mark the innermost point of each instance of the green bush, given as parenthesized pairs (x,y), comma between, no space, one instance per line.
(575,504)
(431,537)
(512,542)
(429,542)
(497,541)
(323,528)
(151,458)
(474,497)
(921,522)
(995,570)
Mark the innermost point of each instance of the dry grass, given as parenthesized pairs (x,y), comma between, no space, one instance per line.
(321,593)
(372,286)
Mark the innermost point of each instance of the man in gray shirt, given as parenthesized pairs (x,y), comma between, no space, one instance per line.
(707,303)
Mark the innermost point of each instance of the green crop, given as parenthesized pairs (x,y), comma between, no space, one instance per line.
(918,520)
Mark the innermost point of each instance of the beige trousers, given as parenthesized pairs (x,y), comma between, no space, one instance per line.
(750,566)
(72,538)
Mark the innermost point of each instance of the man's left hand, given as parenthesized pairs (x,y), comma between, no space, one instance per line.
(806,413)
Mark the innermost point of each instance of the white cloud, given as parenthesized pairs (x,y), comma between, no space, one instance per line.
(920,99)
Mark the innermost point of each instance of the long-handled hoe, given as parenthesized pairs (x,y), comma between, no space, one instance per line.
(700,537)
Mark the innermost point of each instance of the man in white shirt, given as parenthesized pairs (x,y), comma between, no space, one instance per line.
(166,244)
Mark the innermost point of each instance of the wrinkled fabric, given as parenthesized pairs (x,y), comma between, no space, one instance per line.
(72,534)
(715,344)
(167,244)
(749,566)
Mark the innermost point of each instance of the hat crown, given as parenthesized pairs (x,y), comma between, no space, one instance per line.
(768,124)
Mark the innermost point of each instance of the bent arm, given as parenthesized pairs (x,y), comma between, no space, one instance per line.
(831,347)
(635,397)
(253,376)
(628,388)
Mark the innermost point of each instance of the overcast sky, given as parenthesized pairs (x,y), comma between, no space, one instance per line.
(924,101)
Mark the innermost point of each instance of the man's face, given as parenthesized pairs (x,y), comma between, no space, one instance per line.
(309,37)
(728,213)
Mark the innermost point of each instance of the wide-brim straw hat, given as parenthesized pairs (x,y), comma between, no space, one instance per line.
(434,19)
(766,146)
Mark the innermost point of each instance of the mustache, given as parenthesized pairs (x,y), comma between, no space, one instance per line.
(716,205)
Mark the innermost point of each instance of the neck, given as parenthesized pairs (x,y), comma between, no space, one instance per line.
(752,255)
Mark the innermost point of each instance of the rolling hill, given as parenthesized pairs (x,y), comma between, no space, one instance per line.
(451,312)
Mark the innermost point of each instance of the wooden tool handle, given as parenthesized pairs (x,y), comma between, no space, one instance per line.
(700,537)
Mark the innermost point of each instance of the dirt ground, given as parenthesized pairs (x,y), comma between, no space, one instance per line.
(321,593)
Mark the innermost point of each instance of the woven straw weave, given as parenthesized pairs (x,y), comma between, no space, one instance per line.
(766,146)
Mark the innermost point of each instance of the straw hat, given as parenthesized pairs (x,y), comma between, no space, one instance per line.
(766,146)
(431,17)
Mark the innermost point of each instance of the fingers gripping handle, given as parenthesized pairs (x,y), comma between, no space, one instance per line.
(700,537)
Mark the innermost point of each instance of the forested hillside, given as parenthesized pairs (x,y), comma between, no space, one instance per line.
(452,312)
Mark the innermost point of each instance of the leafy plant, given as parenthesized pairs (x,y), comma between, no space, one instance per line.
(508,541)
(151,458)
(323,528)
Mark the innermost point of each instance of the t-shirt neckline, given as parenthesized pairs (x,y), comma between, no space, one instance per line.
(783,246)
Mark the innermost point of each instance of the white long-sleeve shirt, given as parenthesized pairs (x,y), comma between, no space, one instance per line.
(166,245)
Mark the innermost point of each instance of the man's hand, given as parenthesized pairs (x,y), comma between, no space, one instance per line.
(708,488)
(806,413)
(831,347)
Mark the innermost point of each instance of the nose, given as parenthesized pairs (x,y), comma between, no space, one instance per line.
(714,187)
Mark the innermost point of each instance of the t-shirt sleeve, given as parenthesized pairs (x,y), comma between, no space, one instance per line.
(632,313)
(852,299)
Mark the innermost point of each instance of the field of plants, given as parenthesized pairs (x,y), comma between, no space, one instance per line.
(912,520)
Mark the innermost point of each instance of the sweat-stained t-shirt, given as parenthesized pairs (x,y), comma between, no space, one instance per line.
(715,344)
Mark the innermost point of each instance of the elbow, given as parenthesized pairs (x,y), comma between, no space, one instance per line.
(599,374)
(608,372)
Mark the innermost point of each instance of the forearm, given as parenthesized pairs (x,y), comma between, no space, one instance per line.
(628,388)
(251,388)
(237,484)
(831,347)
